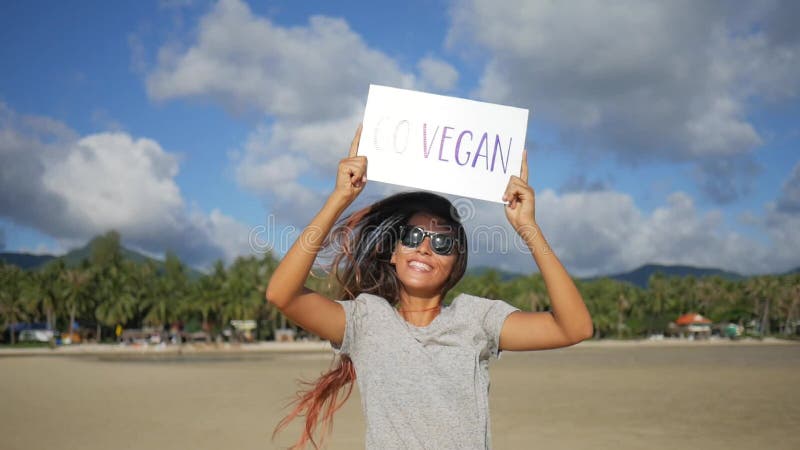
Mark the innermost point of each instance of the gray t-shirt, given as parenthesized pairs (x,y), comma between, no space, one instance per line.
(424,387)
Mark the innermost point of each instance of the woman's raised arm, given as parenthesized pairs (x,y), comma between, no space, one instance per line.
(309,309)
(569,321)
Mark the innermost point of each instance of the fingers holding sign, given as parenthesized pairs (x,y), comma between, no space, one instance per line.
(356,140)
(520,209)
(352,174)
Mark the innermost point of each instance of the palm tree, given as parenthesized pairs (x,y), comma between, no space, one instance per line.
(75,284)
(241,290)
(33,291)
(601,297)
(202,298)
(117,288)
(106,250)
(636,307)
(115,311)
(113,304)
(622,306)
(788,302)
(760,290)
(268,313)
(168,293)
(524,292)
(47,286)
(13,307)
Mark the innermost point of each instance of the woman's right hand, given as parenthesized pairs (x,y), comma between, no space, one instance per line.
(352,175)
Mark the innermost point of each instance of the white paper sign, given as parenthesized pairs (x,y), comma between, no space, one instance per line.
(439,143)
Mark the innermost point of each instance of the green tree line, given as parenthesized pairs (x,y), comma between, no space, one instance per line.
(107,290)
(623,310)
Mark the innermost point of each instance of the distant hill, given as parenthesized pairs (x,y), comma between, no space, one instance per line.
(74,257)
(789,272)
(25,260)
(637,277)
(640,275)
(504,275)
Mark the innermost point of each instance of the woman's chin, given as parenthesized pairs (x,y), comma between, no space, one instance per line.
(419,284)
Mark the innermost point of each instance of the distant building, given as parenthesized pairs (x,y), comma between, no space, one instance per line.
(142,336)
(692,326)
(285,335)
(244,330)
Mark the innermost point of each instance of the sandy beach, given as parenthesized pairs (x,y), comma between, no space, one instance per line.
(598,395)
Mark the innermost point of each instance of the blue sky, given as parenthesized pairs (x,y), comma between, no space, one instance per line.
(659,133)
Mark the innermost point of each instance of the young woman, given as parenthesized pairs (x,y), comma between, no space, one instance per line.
(421,367)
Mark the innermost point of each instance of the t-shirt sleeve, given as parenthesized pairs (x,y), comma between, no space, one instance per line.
(496,313)
(355,313)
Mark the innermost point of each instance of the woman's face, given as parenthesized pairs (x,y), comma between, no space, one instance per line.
(420,269)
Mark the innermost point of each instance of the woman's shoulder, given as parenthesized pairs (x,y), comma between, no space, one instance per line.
(465,301)
(371,298)
(489,313)
(365,298)
(365,310)
(365,302)
(475,305)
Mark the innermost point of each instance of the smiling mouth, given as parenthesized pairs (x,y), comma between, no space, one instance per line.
(420,266)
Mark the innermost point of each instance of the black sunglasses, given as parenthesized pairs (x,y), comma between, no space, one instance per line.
(412,237)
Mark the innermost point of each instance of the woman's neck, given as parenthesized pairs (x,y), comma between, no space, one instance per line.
(419,311)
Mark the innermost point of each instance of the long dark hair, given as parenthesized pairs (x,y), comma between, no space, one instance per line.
(361,245)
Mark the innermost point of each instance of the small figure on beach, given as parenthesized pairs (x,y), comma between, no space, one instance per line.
(421,367)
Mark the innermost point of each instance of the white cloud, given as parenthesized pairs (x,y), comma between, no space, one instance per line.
(27,146)
(789,199)
(642,79)
(727,179)
(285,151)
(645,80)
(229,236)
(782,220)
(73,188)
(437,74)
(310,81)
(313,72)
(121,181)
(782,229)
(280,162)
(603,232)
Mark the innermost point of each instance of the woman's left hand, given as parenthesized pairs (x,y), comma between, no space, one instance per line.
(521,206)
